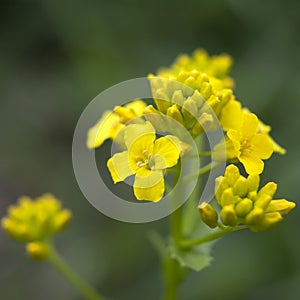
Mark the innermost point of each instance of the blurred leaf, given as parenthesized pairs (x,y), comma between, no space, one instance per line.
(196,258)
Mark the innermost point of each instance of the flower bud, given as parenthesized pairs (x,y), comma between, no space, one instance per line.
(228,215)
(174,113)
(37,250)
(178,98)
(243,207)
(206,90)
(208,214)
(282,206)
(267,221)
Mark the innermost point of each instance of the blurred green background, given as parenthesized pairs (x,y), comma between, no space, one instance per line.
(56,56)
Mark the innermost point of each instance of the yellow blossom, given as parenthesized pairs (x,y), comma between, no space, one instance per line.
(37,219)
(111,122)
(242,202)
(231,117)
(217,66)
(246,145)
(146,157)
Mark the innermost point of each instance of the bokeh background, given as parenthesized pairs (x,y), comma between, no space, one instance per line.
(56,56)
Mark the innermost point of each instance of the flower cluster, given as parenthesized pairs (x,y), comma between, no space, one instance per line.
(34,221)
(243,203)
(196,92)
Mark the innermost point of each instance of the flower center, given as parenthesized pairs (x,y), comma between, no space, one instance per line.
(144,159)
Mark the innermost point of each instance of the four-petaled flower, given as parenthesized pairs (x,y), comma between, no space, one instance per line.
(246,144)
(146,157)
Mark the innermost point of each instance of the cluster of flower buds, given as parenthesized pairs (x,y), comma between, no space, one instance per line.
(243,203)
(34,221)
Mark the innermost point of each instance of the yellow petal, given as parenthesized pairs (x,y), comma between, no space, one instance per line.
(137,131)
(250,125)
(118,167)
(165,153)
(231,116)
(107,127)
(262,146)
(137,107)
(150,187)
(251,162)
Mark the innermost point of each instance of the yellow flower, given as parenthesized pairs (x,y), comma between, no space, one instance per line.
(111,122)
(246,145)
(231,117)
(37,219)
(243,203)
(217,66)
(146,157)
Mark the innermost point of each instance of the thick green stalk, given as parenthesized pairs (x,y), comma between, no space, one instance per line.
(81,285)
(172,270)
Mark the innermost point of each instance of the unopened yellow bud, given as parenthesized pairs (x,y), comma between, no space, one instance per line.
(228,215)
(174,113)
(178,98)
(267,221)
(190,107)
(208,214)
(37,250)
(227,197)
(206,90)
(253,182)
(198,98)
(189,112)
(243,207)
(268,189)
(162,101)
(282,206)
(204,122)
(240,187)
(254,216)
(232,174)
(155,118)
(61,220)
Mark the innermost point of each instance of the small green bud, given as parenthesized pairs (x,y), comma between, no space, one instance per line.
(208,214)
(243,207)
(228,215)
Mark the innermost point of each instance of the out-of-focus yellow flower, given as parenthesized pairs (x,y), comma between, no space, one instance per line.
(111,122)
(246,145)
(35,219)
(146,157)
(243,203)
(217,66)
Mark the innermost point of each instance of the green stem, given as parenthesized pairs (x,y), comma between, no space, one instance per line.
(82,286)
(204,170)
(187,244)
(172,269)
